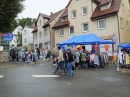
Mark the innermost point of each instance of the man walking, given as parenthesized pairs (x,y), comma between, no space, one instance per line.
(60,61)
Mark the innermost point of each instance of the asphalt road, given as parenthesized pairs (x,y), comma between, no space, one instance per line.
(18,81)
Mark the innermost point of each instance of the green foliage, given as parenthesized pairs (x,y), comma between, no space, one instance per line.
(19,39)
(26,21)
(23,22)
(9,9)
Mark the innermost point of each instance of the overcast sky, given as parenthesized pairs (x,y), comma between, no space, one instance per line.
(34,7)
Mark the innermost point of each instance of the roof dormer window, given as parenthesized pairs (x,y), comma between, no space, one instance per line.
(105,6)
(63,19)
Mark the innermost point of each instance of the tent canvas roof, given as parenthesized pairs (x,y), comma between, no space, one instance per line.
(85,39)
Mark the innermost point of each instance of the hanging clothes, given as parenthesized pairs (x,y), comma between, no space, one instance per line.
(96,47)
(96,60)
(120,57)
(102,60)
(127,58)
(77,57)
(92,57)
(106,47)
(106,58)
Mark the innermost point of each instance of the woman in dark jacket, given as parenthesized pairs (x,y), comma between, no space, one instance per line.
(70,61)
(65,58)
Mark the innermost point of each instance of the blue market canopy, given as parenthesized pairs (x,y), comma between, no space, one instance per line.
(124,45)
(85,39)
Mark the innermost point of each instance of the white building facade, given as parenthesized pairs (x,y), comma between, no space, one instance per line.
(27,36)
(13,43)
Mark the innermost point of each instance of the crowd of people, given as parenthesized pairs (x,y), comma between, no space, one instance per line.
(71,59)
(64,59)
(29,56)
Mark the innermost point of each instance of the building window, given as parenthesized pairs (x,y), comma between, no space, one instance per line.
(121,22)
(36,35)
(61,32)
(49,43)
(101,24)
(123,7)
(25,40)
(103,7)
(74,14)
(45,32)
(71,30)
(40,34)
(64,18)
(84,11)
(85,27)
(127,26)
(24,32)
(40,22)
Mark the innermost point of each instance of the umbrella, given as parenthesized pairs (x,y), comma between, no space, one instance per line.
(55,51)
(71,49)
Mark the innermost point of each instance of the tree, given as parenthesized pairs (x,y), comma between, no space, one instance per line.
(26,21)
(14,25)
(9,9)
(19,39)
(23,22)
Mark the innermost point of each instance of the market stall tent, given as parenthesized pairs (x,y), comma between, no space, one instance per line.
(85,39)
(124,45)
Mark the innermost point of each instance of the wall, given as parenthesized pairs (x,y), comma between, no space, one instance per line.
(59,38)
(25,36)
(111,22)
(40,29)
(28,36)
(125,15)
(52,31)
(46,38)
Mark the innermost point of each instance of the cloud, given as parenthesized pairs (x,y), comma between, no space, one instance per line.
(34,7)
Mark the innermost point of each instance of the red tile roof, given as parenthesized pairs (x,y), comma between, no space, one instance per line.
(35,29)
(33,25)
(60,23)
(52,17)
(102,2)
(65,13)
(114,8)
(45,16)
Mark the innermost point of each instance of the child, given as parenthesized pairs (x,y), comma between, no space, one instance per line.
(83,60)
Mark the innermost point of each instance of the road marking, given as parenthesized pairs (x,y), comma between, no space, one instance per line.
(45,75)
(1,76)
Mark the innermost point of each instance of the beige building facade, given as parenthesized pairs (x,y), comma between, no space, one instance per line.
(98,17)
(43,34)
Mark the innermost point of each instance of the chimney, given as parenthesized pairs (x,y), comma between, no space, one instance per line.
(51,13)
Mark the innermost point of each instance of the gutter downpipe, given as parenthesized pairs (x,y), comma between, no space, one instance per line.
(92,6)
(118,29)
(118,68)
